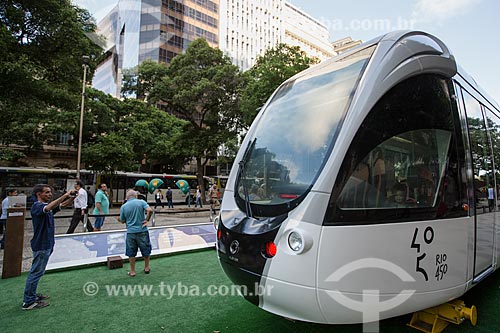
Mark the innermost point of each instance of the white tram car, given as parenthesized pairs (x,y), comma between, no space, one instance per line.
(366,187)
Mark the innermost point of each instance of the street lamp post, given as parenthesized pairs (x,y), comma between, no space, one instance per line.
(85,62)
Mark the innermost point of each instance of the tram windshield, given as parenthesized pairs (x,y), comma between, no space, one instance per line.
(296,133)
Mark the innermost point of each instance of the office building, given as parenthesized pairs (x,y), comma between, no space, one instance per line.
(158,30)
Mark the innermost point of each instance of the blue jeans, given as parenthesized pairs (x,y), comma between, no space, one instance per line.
(198,202)
(170,204)
(99,221)
(40,260)
(138,240)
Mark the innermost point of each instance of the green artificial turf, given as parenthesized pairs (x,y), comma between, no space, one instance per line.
(71,310)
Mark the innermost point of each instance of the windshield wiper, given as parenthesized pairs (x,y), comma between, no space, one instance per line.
(241,174)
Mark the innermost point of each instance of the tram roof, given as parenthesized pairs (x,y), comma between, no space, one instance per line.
(427,53)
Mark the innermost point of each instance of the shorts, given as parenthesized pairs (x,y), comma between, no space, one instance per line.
(138,240)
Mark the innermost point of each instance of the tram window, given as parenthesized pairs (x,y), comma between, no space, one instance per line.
(403,171)
(493,122)
(403,163)
(295,135)
(481,153)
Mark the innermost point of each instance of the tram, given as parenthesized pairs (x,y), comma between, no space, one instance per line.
(366,187)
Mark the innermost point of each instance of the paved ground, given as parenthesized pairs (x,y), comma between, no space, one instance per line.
(181,214)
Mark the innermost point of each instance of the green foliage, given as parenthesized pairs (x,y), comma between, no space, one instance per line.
(40,67)
(139,81)
(270,70)
(227,152)
(10,155)
(154,134)
(141,129)
(202,87)
(109,153)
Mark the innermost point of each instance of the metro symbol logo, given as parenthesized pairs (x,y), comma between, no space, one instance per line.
(370,306)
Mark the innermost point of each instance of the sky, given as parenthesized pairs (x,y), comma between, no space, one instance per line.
(470,28)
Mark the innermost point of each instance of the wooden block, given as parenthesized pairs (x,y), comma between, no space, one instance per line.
(115,262)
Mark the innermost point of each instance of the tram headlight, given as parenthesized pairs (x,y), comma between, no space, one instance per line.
(216,222)
(295,241)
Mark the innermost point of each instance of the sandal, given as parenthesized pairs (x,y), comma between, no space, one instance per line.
(131,274)
(147,271)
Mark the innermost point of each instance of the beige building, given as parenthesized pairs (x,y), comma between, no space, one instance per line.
(249,27)
(301,29)
(50,156)
(345,44)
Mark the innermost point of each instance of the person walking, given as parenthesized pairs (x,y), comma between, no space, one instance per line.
(80,205)
(198,197)
(3,217)
(213,196)
(101,206)
(42,243)
(168,194)
(158,198)
(136,214)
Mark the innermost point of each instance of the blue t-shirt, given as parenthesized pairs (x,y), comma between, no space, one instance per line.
(133,212)
(43,227)
(102,198)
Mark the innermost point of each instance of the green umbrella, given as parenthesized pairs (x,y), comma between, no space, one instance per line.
(141,183)
(154,184)
(183,185)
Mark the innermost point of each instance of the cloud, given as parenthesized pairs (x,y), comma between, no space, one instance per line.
(440,11)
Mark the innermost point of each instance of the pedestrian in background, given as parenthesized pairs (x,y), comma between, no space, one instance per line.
(158,198)
(101,206)
(213,196)
(80,205)
(42,243)
(3,217)
(198,197)
(136,214)
(168,194)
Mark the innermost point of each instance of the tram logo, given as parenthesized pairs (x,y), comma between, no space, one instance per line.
(370,305)
(234,247)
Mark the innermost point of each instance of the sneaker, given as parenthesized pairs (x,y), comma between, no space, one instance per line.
(35,305)
(41,297)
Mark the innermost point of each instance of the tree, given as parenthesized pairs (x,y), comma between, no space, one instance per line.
(139,81)
(109,154)
(42,44)
(144,131)
(153,133)
(10,155)
(270,70)
(202,86)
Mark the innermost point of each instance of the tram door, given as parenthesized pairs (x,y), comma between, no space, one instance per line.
(484,185)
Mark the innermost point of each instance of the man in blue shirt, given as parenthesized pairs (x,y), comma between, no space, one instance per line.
(42,244)
(136,214)
(101,206)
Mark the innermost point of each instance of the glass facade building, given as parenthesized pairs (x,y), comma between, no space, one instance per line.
(158,30)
